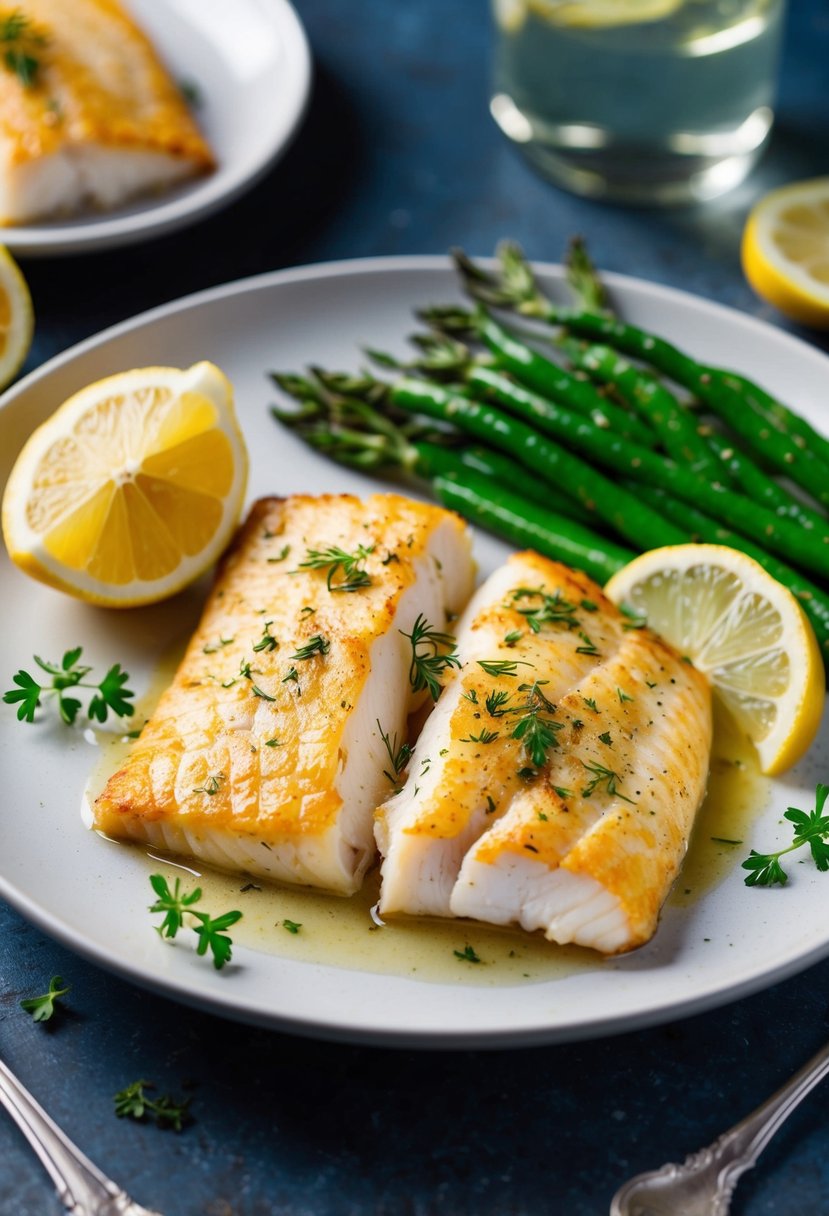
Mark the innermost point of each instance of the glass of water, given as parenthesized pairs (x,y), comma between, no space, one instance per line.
(638,100)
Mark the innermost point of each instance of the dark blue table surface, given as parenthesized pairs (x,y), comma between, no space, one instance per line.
(397,154)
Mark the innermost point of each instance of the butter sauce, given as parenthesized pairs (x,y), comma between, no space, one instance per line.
(342,932)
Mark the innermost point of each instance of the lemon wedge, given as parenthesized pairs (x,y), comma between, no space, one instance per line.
(132,488)
(785,250)
(603,14)
(16,318)
(744,630)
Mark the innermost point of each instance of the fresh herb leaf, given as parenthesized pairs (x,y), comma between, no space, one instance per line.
(623,696)
(134,1103)
(587,646)
(535,726)
(811,828)
(177,904)
(211,786)
(514,635)
(496,704)
(467,955)
(43,1007)
(265,696)
(503,667)
(433,653)
(398,756)
(607,778)
(292,926)
(335,559)
(110,693)
(267,641)
(485,736)
(605,737)
(552,608)
(315,645)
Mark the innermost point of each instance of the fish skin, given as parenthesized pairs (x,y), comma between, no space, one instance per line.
(202,781)
(102,123)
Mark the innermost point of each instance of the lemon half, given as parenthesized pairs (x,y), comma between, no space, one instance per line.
(16,318)
(785,250)
(744,630)
(132,488)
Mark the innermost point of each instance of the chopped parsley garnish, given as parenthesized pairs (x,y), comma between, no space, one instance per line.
(604,737)
(623,696)
(292,926)
(19,45)
(110,694)
(467,955)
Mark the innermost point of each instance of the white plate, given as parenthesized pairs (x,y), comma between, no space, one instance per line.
(93,896)
(251,65)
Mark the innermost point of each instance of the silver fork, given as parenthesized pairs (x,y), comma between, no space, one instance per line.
(704,1183)
(80,1185)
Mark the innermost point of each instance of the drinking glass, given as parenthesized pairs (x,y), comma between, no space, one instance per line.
(638,100)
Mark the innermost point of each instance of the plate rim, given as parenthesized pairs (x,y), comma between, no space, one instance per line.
(111,230)
(175,987)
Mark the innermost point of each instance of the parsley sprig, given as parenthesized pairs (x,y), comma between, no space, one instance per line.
(335,559)
(133,1102)
(177,904)
(433,652)
(810,827)
(110,694)
(43,1007)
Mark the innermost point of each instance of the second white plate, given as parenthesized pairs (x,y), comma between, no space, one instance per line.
(251,69)
(93,895)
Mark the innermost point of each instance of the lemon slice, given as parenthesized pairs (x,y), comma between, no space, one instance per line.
(132,488)
(785,250)
(744,630)
(16,318)
(603,14)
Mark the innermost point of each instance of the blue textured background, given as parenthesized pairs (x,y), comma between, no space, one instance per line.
(397,155)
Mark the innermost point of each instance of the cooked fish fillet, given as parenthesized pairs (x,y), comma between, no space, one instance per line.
(587,849)
(266,757)
(458,782)
(101,121)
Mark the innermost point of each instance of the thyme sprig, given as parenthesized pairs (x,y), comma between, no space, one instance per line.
(552,609)
(399,755)
(335,559)
(810,827)
(132,1102)
(606,777)
(433,653)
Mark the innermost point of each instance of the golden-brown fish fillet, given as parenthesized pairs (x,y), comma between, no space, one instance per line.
(585,845)
(266,754)
(99,122)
